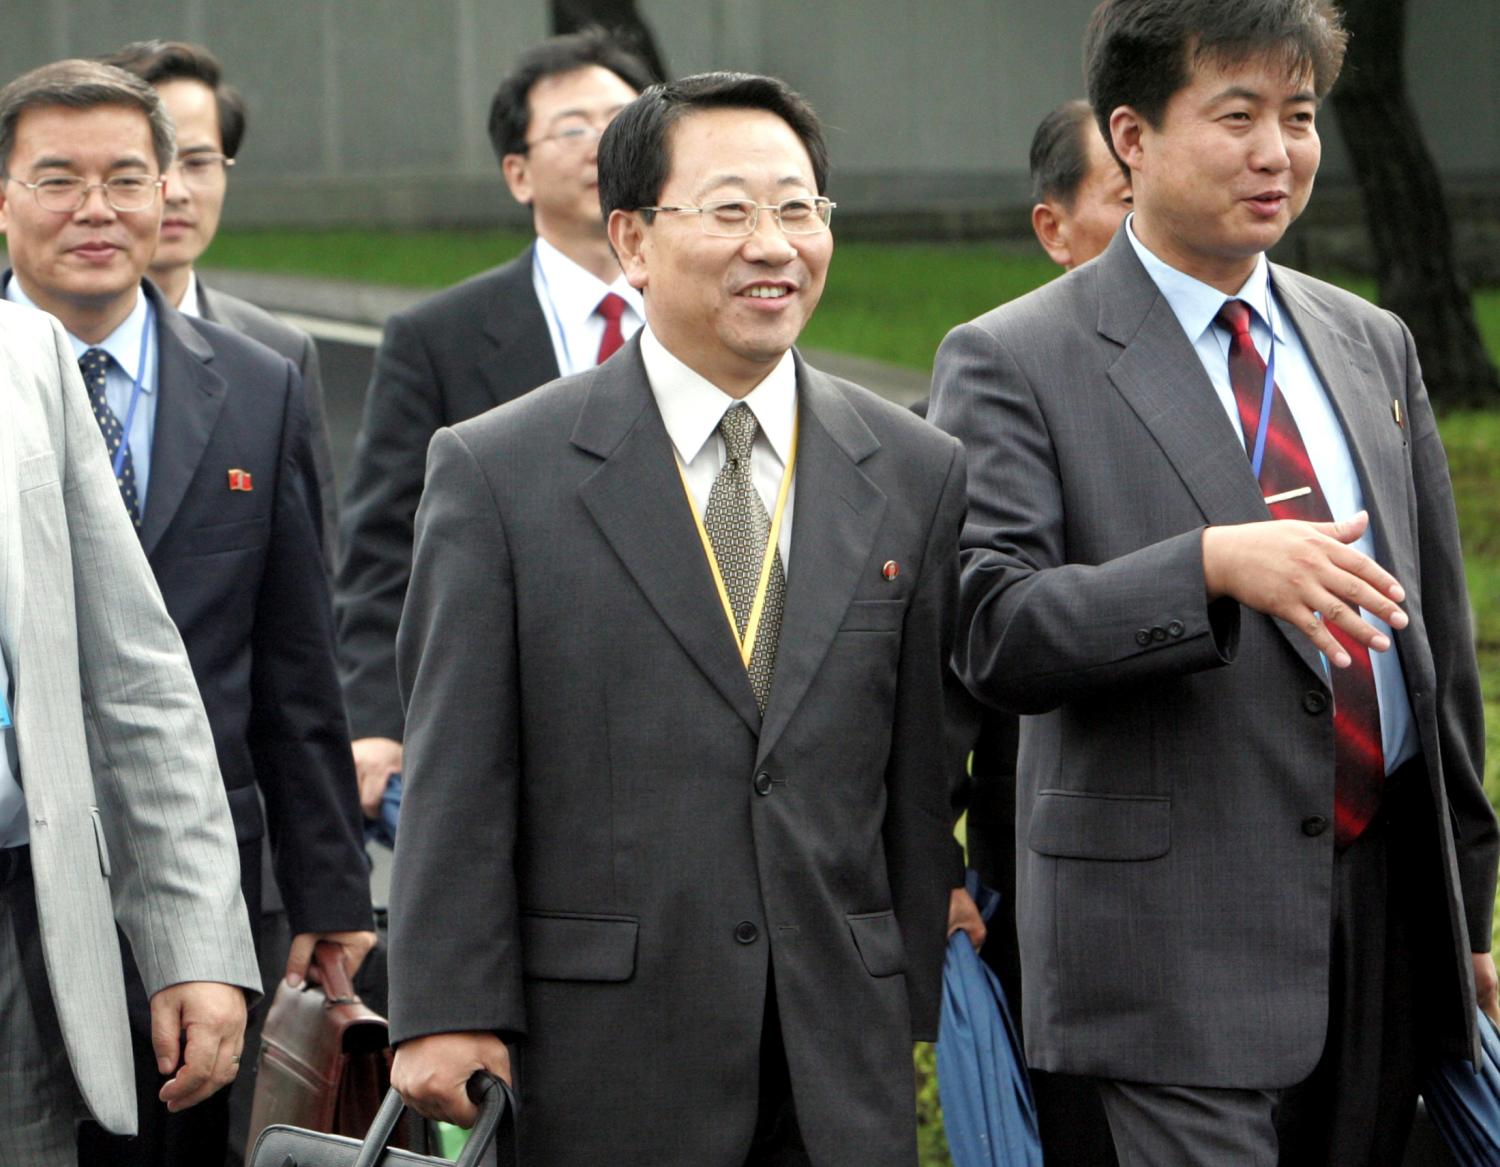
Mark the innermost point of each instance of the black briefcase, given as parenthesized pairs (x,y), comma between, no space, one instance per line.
(289,1146)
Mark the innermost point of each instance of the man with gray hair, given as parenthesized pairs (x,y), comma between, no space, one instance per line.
(208,437)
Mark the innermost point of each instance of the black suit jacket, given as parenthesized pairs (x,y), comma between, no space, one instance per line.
(242,576)
(294,344)
(449,358)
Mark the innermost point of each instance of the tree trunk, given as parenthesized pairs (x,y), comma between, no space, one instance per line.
(618,16)
(1405,212)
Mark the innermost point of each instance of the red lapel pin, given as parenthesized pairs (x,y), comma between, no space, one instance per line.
(240,480)
(891,569)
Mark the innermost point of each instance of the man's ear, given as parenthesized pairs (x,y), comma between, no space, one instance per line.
(627,235)
(1126,128)
(1052,233)
(516,170)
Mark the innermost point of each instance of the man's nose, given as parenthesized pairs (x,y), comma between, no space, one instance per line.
(768,243)
(174,190)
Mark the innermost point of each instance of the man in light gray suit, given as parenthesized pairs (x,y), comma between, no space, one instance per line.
(111,805)
(1212,557)
(676,852)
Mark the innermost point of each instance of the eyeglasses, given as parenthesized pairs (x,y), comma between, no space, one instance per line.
(575,135)
(202,170)
(732,218)
(123,192)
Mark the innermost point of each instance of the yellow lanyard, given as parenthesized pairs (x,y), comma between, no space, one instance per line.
(757,606)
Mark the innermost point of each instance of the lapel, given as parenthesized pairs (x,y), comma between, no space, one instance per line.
(637,501)
(190,395)
(1347,367)
(1159,374)
(836,516)
(520,357)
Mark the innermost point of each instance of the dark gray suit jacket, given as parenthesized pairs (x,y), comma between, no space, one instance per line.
(294,344)
(1174,888)
(449,358)
(604,852)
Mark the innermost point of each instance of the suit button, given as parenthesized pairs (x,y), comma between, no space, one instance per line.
(762,783)
(1314,825)
(746,932)
(1143,637)
(1175,629)
(1158,633)
(1315,701)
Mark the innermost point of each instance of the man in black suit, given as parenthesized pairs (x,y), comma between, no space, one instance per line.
(477,345)
(208,435)
(209,116)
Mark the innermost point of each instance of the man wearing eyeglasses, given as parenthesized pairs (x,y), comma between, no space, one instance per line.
(209,116)
(558,308)
(207,436)
(676,852)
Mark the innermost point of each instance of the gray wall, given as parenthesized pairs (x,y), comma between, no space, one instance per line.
(373,111)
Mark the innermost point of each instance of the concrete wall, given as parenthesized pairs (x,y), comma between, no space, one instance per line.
(373,111)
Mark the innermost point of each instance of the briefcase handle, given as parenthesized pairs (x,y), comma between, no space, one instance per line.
(337,985)
(494,1099)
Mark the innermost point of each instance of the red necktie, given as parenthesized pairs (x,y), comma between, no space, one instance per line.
(610,308)
(1359,759)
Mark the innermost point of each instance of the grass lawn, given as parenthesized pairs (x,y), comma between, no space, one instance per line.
(895,303)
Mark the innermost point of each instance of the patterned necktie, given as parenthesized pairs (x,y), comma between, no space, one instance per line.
(94,365)
(610,308)
(739,527)
(1359,758)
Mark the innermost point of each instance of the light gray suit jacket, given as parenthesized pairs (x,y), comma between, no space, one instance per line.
(126,811)
(605,852)
(1174,886)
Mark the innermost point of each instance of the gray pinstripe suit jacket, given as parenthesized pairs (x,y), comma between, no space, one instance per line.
(127,814)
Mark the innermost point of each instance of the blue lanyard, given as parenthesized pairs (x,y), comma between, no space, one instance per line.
(135,390)
(551,310)
(1268,391)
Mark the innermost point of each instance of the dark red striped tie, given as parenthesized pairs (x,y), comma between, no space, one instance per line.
(1359,760)
(610,308)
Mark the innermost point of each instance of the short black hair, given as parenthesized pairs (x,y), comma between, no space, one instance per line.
(157,61)
(634,159)
(81,84)
(1141,52)
(510,110)
(1060,153)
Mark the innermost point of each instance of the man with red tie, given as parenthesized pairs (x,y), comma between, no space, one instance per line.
(559,308)
(1212,559)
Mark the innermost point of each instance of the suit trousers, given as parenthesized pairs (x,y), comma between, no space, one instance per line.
(1356,1107)
(40,1106)
(777,1141)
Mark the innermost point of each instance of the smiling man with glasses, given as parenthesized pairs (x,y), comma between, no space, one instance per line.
(677,851)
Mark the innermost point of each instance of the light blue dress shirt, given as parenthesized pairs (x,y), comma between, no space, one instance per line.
(12,802)
(1196,304)
(124,346)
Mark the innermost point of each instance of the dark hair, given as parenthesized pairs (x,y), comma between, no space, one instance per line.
(81,84)
(1141,52)
(634,160)
(1060,153)
(510,111)
(158,61)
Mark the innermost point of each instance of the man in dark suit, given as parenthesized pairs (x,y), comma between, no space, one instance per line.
(1212,557)
(209,116)
(208,436)
(554,310)
(677,851)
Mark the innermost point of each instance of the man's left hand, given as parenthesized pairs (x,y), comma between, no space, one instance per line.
(963,914)
(198,1033)
(356,946)
(1485,985)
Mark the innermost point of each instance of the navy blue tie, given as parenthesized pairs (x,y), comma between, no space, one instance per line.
(94,365)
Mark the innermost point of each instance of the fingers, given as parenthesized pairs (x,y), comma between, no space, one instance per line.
(299,957)
(431,1073)
(213,1019)
(166,1029)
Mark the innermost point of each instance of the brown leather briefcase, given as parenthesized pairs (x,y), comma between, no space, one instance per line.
(325,1058)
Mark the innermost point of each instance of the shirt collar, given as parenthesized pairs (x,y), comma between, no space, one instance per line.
(1196,304)
(692,406)
(190,305)
(123,344)
(575,291)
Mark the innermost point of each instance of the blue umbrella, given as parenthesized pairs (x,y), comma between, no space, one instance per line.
(988,1112)
(1464,1102)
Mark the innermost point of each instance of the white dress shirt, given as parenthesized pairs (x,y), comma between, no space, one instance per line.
(569,295)
(190,305)
(1196,304)
(692,407)
(124,345)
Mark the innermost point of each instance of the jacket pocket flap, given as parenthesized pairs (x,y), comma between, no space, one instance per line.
(878,938)
(558,946)
(874,616)
(1076,825)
